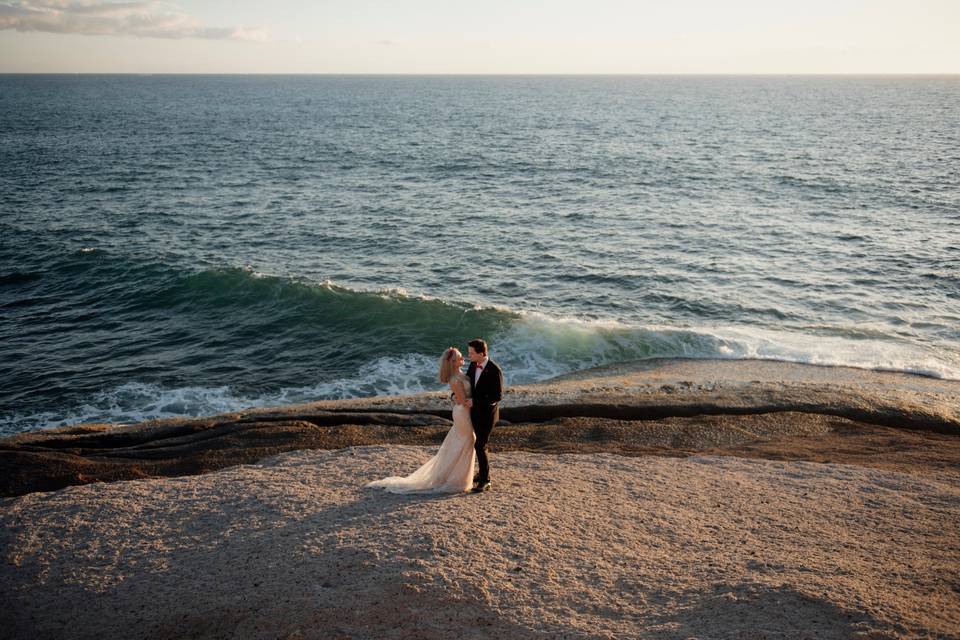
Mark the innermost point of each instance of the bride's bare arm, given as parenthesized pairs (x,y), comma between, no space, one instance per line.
(457,386)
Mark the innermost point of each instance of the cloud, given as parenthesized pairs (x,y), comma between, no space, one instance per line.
(150,19)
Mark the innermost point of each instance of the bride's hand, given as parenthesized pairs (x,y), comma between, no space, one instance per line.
(469,403)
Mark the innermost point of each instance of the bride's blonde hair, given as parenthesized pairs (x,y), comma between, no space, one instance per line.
(448,364)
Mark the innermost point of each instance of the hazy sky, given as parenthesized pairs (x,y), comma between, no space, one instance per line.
(484,36)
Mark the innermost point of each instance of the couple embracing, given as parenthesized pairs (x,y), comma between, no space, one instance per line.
(475,396)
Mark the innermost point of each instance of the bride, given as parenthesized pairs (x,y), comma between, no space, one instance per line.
(451,469)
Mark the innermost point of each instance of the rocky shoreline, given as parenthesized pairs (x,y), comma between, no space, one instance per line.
(670,499)
(657,407)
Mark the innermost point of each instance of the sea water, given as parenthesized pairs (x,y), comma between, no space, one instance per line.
(187,245)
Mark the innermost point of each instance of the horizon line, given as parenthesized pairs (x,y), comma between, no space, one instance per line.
(478,74)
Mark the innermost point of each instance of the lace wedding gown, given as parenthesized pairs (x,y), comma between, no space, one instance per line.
(451,469)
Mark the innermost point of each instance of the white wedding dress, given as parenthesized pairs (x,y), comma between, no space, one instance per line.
(451,469)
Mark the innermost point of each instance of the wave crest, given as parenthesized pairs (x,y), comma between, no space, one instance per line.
(253,339)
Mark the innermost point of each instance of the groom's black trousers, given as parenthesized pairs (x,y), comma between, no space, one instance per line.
(483,418)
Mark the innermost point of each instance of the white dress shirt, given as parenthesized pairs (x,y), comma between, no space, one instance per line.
(477,371)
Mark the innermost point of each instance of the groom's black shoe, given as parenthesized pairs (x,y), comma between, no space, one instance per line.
(481,487)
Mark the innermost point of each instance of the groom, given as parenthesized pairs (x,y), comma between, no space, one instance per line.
(486,387)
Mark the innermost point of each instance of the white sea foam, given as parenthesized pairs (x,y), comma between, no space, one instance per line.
(535,347)
(138,401)
(540,347)
(134,402)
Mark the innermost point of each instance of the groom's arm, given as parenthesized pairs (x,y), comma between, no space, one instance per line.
(496,389)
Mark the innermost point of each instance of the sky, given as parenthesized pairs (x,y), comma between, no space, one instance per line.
(482,37)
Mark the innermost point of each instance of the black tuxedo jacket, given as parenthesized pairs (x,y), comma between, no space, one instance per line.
(488,390)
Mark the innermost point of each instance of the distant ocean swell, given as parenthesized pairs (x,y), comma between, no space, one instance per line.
(125,342)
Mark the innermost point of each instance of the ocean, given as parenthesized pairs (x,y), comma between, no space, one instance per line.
(189,245)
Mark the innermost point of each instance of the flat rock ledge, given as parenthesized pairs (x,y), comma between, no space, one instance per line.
(665,499)
(565,546)
(657,407)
